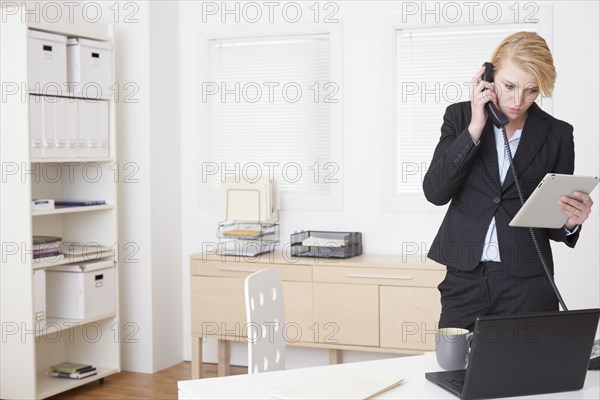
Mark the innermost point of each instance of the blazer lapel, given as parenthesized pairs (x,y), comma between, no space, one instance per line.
(488,152)
(533,137)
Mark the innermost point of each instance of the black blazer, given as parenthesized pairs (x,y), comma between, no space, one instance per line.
(466,175)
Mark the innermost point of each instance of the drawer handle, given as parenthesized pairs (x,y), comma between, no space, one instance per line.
(237,270)
(402,278)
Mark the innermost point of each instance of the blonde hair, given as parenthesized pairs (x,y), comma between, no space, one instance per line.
(530,52)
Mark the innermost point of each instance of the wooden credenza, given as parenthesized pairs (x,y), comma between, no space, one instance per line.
(372,303)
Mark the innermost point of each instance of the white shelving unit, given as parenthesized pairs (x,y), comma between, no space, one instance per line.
(30,347)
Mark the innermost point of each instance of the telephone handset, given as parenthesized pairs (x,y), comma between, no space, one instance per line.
(497,117)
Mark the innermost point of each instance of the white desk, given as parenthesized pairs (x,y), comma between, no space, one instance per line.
(412,369)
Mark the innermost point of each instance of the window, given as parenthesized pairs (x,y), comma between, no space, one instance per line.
(271,105)
(432,68)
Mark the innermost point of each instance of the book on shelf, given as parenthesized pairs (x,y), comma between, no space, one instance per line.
(46,246)
(91,250)
(40,240)
(73,375)
(71,367)
(72,370)
(47,252)
(78,203)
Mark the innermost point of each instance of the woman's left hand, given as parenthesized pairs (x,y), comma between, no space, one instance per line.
(577,208)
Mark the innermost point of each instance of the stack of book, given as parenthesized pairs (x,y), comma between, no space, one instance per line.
(78,203)
(46,246)
(72,370)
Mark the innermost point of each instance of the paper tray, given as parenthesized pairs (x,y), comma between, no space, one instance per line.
(245,248)
(247,238)
(248,231)
(326,244)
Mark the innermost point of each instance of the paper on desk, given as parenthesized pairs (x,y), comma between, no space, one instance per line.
(242,232)
(323,242)
(337,385)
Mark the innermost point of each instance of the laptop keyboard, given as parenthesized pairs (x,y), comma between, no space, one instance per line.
(457,383)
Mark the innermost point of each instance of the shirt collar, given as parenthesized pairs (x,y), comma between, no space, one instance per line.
(516,136)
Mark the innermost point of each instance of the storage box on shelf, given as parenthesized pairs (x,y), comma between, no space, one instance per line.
(81,291)
(89,67)
(81,294)
(47,62)
(62,147)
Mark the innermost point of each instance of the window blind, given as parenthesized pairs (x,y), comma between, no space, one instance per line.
(433,70)
(269,101)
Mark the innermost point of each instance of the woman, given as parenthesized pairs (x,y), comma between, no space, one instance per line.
(492,268)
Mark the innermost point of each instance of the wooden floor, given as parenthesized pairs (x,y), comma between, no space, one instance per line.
(134,385)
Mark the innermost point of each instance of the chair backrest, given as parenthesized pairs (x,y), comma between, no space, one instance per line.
(265,315)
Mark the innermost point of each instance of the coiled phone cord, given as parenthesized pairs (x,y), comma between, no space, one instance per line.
(535,243)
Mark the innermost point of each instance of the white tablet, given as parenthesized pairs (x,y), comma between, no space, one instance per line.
(541,210)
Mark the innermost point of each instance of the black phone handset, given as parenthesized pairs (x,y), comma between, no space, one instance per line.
(497,116)
(500,121)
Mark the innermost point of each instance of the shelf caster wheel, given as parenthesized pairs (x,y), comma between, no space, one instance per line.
(101,381)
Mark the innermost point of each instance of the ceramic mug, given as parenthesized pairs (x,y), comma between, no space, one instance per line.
(452,347)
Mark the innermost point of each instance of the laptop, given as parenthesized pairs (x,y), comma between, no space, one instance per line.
(525,354)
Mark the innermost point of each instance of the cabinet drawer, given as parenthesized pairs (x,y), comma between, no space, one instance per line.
(298,300)
(218,308)
(379,276)
(298,273)
(346,314)
(409,317)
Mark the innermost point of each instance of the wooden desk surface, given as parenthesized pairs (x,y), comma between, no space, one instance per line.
(365,260)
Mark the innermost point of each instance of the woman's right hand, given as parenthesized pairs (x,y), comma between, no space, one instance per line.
(481,93)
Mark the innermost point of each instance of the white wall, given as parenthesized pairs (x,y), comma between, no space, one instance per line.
(148,132)
(166,185)
(577,271)
(135,291)
(365,138)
